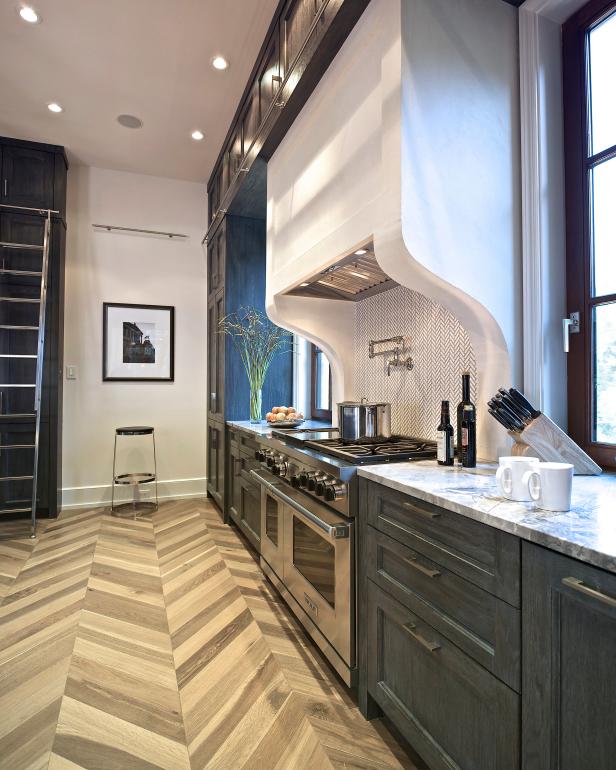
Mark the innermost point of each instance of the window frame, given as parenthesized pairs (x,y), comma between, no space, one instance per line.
(325,415)
(578,161)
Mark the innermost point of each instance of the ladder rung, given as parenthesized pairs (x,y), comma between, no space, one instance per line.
(20,299)
(15,510)
(32,273)
(17,446)
(16,478)
(18,385)
(32,246)
(21,328)
(18,355)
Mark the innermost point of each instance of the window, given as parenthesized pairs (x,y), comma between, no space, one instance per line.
(589,58)
(321,387)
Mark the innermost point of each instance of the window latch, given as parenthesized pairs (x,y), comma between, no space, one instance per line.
(571,325)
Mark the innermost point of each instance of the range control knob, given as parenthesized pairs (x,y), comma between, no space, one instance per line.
(260,455)
(322,484)
(270,459)
(279,469)
(295,482)
(314,480)
(334,492)
(303,478)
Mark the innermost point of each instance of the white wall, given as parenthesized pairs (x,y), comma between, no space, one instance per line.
(410,139)
(113,267)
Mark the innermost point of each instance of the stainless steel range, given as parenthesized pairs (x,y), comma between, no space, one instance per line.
(308,507)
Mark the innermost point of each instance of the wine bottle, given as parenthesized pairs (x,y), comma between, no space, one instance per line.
(466,401)
(444,437)
(468,450)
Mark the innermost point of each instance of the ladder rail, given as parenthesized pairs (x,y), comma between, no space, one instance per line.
(39,366)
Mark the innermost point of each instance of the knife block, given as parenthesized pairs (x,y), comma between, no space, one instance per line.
(542,438)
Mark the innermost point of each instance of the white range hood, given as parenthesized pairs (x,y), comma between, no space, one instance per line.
(410,141)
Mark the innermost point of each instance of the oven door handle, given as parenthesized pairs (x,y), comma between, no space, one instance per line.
(333,531)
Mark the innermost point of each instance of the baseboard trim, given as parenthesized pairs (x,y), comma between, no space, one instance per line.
(98,495)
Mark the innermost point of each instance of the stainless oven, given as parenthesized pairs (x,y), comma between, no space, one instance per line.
(309,548)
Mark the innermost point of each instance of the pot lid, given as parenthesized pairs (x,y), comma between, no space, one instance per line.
(364,402)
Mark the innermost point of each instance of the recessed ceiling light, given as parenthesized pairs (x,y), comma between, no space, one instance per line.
(304,284)
(129,121)
(220,63)
(361,252)
(29,14)
(197,135)
(54,107)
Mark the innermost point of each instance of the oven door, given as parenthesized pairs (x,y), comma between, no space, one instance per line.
(272,515)
(318,571)
(317,560)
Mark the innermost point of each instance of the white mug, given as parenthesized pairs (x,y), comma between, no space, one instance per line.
(549,485)
(509,477)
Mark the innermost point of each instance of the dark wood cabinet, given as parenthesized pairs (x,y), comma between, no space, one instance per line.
(303,38)
(33,176)
(453,712)
(569,653)
(216,461)
(27,177)
(439,630)
(236,280)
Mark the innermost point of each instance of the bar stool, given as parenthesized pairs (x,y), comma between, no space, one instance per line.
(133,479)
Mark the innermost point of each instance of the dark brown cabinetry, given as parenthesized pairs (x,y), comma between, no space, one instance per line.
(303,38)
(569,648)
(439,630)
(33,176)
(236,280)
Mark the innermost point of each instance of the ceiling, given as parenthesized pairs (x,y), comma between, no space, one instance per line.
(149,58)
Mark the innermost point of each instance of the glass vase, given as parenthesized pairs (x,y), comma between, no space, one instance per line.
(256,410)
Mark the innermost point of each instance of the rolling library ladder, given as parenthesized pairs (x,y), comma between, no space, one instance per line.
(23,298)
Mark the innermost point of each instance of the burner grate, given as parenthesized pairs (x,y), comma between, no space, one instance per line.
(397,448)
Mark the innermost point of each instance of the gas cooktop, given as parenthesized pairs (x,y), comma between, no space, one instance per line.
(394,449)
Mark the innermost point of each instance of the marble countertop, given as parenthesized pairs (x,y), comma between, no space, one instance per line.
(586,532)
(265,429)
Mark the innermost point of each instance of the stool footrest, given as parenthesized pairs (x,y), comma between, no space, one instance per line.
(134,478)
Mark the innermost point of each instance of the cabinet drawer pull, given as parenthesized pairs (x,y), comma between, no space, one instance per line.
(410,628)
(412,562)
(578,585)
(428,514)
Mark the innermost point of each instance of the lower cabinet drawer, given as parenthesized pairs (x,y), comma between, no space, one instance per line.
(484,626)
(452,711)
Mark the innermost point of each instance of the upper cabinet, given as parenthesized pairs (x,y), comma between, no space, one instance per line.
(305,35)
(32,177)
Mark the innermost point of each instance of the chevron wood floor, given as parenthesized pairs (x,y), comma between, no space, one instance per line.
(158,643)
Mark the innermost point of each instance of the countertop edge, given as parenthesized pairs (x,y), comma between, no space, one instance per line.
(525,531)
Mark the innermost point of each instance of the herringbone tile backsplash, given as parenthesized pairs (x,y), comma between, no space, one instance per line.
(440,349)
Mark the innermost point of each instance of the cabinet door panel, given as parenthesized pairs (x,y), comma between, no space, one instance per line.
(269,78)
(451,710)
(296,20)
(215,462)
(27,177)
(569,672)
(251,512)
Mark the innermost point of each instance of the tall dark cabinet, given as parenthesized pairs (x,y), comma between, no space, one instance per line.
(33,176)
(236,279)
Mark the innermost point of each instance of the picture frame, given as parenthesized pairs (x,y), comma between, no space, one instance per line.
(138,342)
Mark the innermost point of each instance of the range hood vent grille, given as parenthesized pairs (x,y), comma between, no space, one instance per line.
(352,278)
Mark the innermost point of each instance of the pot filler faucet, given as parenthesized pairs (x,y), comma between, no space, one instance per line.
(396,361)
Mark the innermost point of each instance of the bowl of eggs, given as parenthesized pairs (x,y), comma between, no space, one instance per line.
(284,417)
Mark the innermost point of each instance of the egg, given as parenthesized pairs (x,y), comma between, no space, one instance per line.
(291,409)
(281,416)
(269,416)
(283,409)
(275,410)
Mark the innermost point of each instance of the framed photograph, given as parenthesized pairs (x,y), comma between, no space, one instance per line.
(138,342)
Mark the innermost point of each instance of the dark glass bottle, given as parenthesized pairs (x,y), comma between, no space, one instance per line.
(468,450)
(444,437)
(466,401)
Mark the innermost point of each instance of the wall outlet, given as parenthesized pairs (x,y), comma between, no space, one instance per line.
(71,372)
